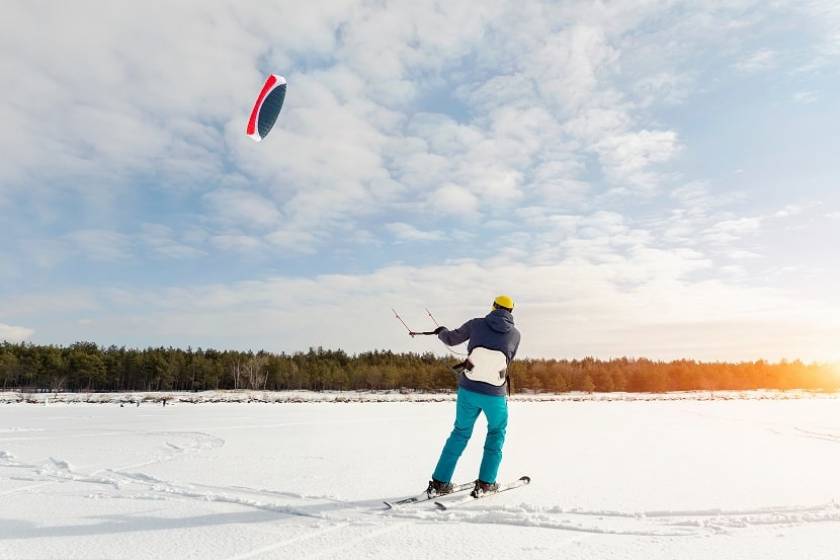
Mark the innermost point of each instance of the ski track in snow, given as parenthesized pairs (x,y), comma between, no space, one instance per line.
(141,486)
(138,485)
(19,429)
(288,542)
(360,521)
(124,483)
(664,523)
(53,470)
(649,524)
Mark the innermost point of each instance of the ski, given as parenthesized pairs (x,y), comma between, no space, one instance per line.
(522,481)
(424,497)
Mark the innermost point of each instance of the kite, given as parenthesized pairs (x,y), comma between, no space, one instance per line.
(267,107)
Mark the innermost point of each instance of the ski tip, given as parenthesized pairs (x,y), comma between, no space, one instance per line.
(440,506)
(525,479)
(388,505)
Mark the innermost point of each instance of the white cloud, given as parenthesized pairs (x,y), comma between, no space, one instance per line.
(805,97)
(556,183)
(568,63)
(665,87)
(628,156)
(533,128)
(455,200)
(338,155)
(45,253)
(292,240)
(764,59)
(741,254)
(32,306)
(626,306)
(242,208)
(161,239)
(100,245)
(731,230)
(824,20)
(236,242)
(407,232)
(178,251)
(788,211)
(594,123)
(13,334)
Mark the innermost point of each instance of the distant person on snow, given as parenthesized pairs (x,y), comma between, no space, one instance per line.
(482,387)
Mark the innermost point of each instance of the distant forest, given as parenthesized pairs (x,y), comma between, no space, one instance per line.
(84,366)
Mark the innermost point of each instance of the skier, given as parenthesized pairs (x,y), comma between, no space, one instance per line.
(482,387)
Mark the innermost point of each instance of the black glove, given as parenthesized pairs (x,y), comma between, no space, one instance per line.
(439,330)
(466,365)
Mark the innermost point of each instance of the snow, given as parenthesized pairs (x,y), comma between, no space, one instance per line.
(689,476)
(244,396)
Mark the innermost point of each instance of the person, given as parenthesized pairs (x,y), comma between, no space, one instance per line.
(493,340)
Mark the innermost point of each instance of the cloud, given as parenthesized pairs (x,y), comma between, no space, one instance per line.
(100,245)
(292,240)
(628,157)
(789,211)
(569,62)
(532,134)
(740,254)
(570,308)
(353,141)
(454,200)
(764,59)
(806,97)
(14,334)
(236,242)
(161,239)
(407,232)
(242,208)
(824,20)
(731,230)
(117,112)
(109,246)
(669,88)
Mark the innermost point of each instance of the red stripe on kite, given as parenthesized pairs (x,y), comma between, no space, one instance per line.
(252,122)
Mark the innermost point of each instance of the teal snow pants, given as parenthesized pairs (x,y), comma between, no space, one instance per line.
(468,406)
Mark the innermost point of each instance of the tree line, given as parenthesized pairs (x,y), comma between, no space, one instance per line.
(85,366)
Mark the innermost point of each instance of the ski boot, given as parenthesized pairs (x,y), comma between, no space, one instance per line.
(482,487)
(438,488)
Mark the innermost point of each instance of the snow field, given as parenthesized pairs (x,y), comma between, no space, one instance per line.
(620,479)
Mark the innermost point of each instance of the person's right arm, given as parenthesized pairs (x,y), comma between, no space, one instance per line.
(456,337)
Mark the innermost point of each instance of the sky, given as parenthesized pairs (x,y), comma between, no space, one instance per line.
(647,179)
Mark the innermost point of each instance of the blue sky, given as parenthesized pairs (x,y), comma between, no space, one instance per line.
(646,179)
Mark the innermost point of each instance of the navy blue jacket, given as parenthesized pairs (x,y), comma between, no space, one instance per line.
(496,332)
